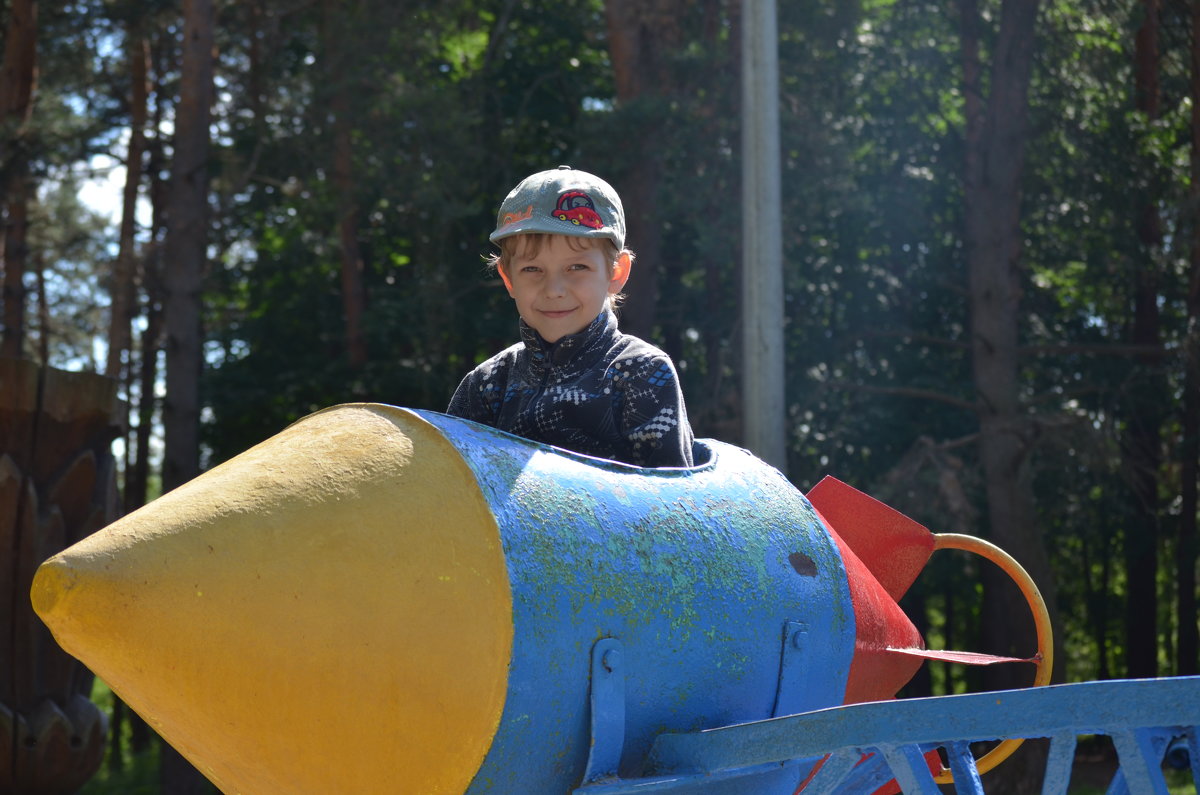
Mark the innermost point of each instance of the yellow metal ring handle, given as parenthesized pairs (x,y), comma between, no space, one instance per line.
(1041,620)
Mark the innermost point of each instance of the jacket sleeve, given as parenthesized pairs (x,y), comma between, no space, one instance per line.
(469,402)
(653,418)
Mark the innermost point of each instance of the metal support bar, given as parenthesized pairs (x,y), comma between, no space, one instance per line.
(962,765)
(912,773)
(1084,707)
(1140,761)
(794,695)
(833,772)
(1058,764)
(608,710)
(865,745)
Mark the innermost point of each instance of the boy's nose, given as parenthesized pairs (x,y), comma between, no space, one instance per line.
(555,285)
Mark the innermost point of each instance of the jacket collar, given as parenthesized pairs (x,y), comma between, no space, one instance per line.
(575,351)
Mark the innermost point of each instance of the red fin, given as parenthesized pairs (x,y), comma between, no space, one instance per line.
(964,657)
(893,547)
(879,624)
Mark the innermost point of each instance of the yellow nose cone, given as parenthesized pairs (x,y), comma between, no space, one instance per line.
(327,612)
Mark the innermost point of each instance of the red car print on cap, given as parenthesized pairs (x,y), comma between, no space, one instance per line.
(576,206)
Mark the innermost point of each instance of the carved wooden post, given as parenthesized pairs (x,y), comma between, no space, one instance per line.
(56,486)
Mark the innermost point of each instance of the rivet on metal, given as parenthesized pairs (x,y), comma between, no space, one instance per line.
(798,637)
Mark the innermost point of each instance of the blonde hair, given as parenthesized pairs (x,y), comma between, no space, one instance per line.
(528,245)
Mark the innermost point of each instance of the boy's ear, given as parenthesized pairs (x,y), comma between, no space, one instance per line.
(620,272)
(504,277)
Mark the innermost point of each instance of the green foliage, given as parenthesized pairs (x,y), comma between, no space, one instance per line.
(876,281)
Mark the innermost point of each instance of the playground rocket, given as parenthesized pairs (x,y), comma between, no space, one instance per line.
(386,600)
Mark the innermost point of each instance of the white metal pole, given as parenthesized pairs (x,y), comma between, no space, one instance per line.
(764,415)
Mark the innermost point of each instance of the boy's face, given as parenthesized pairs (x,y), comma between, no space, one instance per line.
(564,286)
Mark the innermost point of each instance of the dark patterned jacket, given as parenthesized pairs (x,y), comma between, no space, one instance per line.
(598,392)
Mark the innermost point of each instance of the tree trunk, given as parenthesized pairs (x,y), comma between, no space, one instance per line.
(1188,644)
(17,190)
(18,75)
(57,485)
(138,477)
(18,82)
(335,40)
(639,34)
(1143,410)
(185,245)
(124,289)
(996,138)
(187,222)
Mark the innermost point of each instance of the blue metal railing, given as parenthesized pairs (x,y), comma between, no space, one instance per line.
(865,745)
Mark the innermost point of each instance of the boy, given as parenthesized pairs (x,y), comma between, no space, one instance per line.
(575,380)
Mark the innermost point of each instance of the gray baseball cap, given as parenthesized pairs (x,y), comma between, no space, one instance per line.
(562,201)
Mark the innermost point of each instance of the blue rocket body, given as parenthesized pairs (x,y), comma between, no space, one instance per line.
(720,588)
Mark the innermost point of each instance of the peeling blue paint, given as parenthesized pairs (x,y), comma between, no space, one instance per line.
(690,569)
